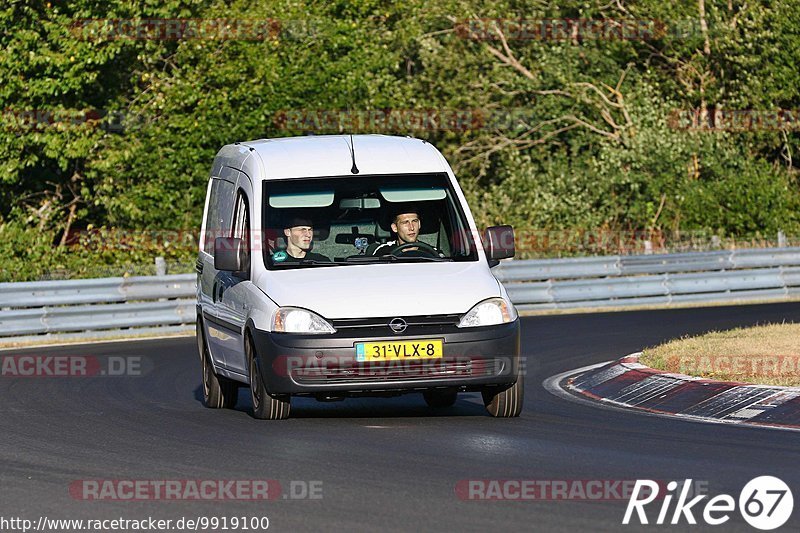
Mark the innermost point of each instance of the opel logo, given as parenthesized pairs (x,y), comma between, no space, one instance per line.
(398,325)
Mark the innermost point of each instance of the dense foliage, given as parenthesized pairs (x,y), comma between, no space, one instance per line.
(623,127)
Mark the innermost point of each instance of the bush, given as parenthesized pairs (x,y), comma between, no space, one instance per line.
(27,254)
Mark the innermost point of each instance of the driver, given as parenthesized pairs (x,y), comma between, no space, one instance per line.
(406,226)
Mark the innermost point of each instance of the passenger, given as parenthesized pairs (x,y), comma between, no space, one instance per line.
(299,232)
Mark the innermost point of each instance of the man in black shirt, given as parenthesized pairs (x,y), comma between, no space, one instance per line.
(406,226)
(299,232)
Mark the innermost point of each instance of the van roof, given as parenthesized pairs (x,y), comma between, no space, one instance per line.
(329,155)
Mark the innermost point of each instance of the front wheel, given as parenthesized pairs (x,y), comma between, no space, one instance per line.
(265,405)
(218,392)
(505,403)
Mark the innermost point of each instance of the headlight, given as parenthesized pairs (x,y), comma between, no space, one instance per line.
(489,313)
(295,320)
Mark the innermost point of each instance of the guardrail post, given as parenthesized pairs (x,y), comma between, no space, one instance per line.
(161,266)
(781,239)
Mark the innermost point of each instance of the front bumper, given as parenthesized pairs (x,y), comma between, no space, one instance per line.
(326,364)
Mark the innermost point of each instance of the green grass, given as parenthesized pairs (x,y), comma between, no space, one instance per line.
(767,355)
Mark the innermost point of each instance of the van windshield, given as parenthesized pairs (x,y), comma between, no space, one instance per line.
(323,222)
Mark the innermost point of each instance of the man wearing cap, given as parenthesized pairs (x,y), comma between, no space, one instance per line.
(299,232)
(406,227)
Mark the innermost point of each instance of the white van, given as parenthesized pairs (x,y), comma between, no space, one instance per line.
(338,266)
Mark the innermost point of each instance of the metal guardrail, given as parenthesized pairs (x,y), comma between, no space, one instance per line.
(95,307)
(618,281)
(86,305)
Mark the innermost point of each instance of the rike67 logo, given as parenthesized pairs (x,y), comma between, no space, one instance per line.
(765,503)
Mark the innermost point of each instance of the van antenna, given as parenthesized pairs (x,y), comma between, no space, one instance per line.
(354,170)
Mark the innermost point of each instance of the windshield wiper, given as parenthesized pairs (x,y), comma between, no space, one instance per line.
(411,258)
(371,258)
(306,262)
(393,258)
(422,258)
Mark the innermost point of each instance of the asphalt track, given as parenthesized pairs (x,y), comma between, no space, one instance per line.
(386,464)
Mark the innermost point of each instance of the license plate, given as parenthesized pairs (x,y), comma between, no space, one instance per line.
(392,351)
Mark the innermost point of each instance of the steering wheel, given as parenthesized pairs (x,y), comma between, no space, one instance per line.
(424,247)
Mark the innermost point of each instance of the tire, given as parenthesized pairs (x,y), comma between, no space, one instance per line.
(439,399)
(265,405)
(218,392)
(505,403)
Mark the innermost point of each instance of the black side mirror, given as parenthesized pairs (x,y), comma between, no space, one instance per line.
(498,243)
(229,254)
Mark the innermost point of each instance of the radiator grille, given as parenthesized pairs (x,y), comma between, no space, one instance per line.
(401,371)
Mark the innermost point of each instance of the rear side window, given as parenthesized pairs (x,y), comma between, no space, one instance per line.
(220,212)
